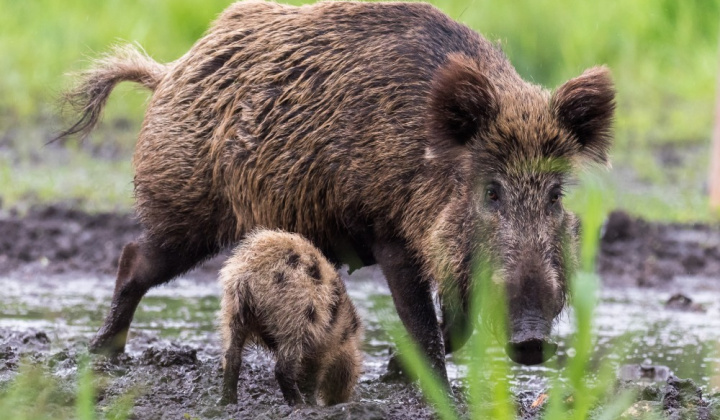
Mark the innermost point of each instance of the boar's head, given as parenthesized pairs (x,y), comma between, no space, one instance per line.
(515,146)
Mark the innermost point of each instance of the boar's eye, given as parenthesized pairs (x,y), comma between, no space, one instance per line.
(555,195)
(492,194)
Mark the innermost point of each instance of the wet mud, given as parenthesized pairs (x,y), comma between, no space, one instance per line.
(634,252)
(57,239)
(674,399)
(56,270)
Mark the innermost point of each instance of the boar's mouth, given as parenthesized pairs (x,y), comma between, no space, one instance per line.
(529,342)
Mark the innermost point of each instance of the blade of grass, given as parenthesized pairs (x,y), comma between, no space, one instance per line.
(483,303)
(415,362)
(85,400)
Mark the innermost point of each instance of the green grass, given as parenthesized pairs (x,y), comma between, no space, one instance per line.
(36,394)
(44,40)
(663,54)
(89,183)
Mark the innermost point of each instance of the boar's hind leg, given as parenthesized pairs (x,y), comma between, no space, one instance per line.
(413,300)
(142,266)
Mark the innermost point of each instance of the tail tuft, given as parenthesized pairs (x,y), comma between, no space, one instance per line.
(88,98)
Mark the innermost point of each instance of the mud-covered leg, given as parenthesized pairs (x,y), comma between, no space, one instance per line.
(232,364)
(340,378)
(142,266)
(286,374)
(412,296)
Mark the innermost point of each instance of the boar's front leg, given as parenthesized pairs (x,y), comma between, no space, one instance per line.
(412,295)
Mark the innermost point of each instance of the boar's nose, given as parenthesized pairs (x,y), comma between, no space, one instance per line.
(529,343)
(530,352)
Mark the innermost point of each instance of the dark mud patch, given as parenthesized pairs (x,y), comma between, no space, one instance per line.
(56,239)
(635,252)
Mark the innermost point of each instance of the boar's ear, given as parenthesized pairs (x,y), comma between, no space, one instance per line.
(585,105)
(462,102)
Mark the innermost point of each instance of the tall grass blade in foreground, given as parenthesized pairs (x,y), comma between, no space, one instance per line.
(415,362)
(36,394)
(85,399)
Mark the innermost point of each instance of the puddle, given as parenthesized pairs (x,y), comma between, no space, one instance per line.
(633,326)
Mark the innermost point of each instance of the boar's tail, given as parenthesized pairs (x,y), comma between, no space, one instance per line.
(88,98)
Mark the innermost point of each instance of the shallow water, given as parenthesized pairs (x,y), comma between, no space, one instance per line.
(632,325)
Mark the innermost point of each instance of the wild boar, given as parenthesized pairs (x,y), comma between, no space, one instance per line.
(385,133)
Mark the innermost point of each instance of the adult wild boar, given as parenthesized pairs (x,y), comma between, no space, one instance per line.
(384,132)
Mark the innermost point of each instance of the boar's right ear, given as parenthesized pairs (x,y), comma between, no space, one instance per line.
(585,105)
(462,102)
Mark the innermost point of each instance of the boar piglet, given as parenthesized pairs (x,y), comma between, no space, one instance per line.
(280,292)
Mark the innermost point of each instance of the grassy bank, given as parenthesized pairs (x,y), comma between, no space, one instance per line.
(663,54)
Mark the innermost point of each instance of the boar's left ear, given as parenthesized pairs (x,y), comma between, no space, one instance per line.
(585,105)
(462,102)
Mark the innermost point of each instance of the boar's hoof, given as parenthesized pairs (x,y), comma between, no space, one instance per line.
(110,346)
(228,398)
(532,351)
(395,371)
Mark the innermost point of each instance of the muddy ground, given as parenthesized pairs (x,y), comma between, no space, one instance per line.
(56,267)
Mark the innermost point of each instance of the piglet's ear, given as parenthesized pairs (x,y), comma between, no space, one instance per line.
(585,105)
(462,102)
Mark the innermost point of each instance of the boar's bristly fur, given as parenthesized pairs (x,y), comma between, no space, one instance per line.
(383,132)
(279,291)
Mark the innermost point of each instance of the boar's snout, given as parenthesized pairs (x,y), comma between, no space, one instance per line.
(529,342)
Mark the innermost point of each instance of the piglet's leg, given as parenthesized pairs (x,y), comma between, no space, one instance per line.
(233,362)
(308,382)
(286,373)
(340,378)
